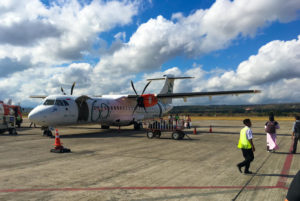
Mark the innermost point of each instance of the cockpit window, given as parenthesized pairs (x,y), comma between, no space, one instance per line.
(49,102)
(66,103)
(59,103)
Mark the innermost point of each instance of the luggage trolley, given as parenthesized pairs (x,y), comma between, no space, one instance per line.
(156,127)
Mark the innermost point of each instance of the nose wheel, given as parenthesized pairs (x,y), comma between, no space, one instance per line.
(47,132)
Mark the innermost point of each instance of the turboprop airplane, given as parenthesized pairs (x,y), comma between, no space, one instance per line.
(112,110)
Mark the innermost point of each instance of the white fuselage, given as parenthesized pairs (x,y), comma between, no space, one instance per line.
(108,110)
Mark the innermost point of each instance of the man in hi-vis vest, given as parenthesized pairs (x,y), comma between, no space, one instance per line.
(247,146)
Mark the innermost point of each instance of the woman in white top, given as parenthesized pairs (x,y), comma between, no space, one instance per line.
(270,127)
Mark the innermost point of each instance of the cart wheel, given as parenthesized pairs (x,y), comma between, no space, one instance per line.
(14,131)
(182,134)
(158,134)
(150,134)
(176,135)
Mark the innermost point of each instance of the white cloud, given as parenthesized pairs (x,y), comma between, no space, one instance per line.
(60,33)
(203,31)
(76,27)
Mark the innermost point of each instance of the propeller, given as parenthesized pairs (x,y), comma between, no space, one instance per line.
(72,89)
(140,98)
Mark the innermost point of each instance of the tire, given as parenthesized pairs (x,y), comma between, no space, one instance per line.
(49,133)
(182,134)
(150,134)
(176,135)
(104,127)
(2,131)
(157,134)
(14,131)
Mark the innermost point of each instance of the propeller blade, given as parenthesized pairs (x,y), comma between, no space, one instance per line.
(62,90)
(72,88)
(145,109)
(146,87)
(135,108)
(133,87)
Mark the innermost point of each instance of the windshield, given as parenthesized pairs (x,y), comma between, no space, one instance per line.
(49,102)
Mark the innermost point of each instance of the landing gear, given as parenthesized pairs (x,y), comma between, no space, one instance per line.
(104,127)
(47,132)
(137,126)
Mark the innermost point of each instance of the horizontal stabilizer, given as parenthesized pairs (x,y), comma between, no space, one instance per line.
(171,78)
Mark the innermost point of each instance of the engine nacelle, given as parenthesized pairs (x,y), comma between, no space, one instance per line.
(149,100)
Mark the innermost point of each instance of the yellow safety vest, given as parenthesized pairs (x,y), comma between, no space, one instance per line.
(244,143)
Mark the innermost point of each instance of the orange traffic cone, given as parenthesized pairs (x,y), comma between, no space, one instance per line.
(210,129)
(195,131)
(57,143)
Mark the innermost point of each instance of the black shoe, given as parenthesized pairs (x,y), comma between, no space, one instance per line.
(248,172)
(240,168)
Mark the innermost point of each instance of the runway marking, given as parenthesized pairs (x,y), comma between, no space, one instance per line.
(286,168)
(141,188)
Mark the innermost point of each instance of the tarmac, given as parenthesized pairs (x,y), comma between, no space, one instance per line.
(126,165)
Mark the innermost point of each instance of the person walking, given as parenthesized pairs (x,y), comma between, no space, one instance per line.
(270,127)
(247,147)
(296,133)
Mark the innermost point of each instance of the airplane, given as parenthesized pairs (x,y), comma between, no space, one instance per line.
(112,110)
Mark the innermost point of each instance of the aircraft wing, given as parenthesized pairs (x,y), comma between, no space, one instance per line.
(198,94)
(213,93)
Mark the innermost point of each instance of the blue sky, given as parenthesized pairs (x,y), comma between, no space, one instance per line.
(102,45)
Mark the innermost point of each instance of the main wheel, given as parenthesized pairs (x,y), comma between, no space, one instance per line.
(49,133)
(137,126)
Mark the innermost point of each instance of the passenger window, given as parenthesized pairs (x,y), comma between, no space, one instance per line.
(49,102)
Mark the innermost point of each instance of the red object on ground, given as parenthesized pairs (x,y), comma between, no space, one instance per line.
(210,129)
(195,131)
(57,143)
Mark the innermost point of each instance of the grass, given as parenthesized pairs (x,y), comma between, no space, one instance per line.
(266,118)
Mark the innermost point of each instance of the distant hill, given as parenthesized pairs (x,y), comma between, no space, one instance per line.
(290,109)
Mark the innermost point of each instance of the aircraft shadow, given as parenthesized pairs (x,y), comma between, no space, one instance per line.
(110,134)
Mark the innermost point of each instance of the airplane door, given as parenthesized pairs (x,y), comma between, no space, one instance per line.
(70,111)
(66,111)
(83,109)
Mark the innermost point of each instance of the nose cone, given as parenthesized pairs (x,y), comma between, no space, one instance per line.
(35,116)
(38,116)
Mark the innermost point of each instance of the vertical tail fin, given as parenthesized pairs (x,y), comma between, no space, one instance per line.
(168,86)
